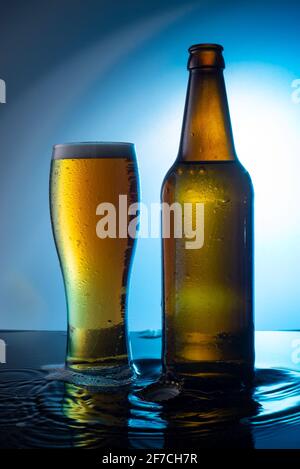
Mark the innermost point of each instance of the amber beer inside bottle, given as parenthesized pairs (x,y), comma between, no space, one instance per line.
(208,292)
(95,269)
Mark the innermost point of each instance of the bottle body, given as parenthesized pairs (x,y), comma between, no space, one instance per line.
(208,290)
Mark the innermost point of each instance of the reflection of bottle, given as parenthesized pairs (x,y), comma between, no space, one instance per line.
(208,311)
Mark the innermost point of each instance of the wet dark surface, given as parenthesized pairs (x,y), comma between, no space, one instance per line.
(42,405)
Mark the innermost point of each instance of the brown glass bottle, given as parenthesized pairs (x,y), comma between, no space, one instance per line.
(208,291)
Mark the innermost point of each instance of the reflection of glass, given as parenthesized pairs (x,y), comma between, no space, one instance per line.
(95,269)
(112,416)
(100,417)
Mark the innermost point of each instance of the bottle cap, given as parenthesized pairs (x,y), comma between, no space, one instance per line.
(206,56)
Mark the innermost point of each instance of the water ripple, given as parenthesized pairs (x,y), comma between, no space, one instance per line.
(51,408)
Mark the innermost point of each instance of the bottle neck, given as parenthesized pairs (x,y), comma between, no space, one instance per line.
(206,132)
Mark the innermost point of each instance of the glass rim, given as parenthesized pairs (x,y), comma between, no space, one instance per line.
(74,150)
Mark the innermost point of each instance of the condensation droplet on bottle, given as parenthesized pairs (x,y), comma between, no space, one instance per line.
(222,202)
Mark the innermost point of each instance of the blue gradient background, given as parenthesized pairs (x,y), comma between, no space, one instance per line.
(99,70)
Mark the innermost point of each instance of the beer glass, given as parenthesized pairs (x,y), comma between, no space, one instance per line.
(87,182)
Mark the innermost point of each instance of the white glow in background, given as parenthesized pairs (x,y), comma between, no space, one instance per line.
(265,125)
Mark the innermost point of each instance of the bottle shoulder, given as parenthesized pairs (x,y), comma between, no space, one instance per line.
(204,174)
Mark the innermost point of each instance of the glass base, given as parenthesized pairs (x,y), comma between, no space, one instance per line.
(94,366)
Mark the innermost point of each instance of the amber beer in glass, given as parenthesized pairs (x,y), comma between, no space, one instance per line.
(208,292)
(95,269)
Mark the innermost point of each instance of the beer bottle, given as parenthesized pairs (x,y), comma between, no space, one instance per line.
(208,283)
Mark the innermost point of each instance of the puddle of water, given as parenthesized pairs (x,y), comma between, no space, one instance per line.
(53,407)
